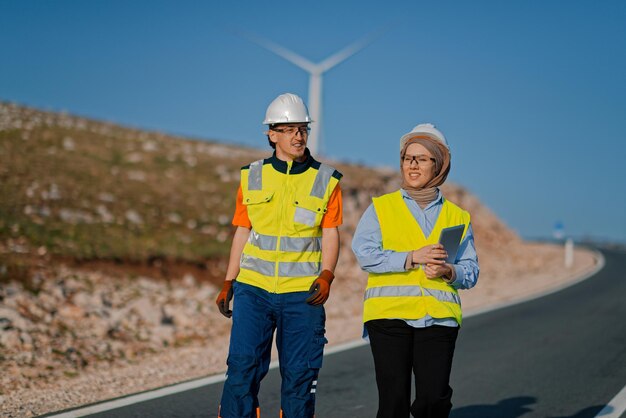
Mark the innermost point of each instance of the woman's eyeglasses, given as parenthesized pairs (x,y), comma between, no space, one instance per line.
(420,160)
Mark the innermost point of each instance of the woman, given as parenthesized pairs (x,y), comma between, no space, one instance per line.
(412,311)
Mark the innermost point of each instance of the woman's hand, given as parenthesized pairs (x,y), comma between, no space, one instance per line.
(445,271)
(430,254)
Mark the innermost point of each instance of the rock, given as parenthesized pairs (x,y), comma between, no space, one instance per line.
(167,315)
(105,215)
(10,340)
(189,280)
(10,318)
(75,357)
(71,311)
(163,334)
(133,217)
(88,301)
(146,310)
(27,340)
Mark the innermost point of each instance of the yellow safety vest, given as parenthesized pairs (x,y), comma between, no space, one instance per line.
(409,294)
(285,206)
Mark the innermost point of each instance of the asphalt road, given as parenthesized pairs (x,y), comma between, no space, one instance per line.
(560,356)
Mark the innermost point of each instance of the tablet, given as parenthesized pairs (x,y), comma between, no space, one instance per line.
(450,238)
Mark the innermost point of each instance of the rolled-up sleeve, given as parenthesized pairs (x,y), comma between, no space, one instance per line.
(466,264)
(367,245)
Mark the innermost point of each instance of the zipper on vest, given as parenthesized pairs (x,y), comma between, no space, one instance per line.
(283,205)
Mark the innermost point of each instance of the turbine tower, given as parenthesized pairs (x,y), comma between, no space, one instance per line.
(315,76)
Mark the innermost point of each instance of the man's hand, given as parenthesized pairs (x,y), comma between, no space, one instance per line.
(320,289)
(224,298)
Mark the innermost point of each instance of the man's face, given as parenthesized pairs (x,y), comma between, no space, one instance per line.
(290,140)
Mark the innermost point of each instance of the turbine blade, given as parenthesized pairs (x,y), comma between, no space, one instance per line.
(350,50)
(283,52)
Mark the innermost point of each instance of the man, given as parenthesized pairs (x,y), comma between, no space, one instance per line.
(281,266)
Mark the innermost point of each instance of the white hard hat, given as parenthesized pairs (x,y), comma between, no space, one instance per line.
(424,129)
(287,108)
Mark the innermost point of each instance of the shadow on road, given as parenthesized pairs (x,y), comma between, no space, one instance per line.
(507,408)
(514,408)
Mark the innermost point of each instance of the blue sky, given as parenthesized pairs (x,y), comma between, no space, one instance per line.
(531,95)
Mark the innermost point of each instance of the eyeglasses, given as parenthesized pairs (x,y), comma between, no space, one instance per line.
(304,130)
(420,160)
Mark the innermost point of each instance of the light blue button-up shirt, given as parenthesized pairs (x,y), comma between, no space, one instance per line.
(367,246)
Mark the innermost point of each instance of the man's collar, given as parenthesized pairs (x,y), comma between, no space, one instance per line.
(296,167)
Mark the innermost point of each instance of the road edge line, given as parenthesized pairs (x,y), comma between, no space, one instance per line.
(616,406)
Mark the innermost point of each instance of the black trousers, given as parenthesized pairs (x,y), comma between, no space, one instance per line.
(400,350)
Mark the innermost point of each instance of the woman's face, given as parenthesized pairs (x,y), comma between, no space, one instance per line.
(418,166)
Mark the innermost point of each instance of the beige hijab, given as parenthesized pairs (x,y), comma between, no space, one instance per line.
(425,195)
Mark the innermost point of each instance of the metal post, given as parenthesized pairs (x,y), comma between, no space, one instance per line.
(315,105)
(569,252)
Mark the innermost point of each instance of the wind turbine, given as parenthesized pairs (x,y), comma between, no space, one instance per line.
(315,76)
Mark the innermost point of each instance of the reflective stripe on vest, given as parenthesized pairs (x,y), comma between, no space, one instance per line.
(255,178)
(293,244)
(390,291)
(263,267)
(321,180)
(285,269)
(298,269)
(283,252)
(410,294)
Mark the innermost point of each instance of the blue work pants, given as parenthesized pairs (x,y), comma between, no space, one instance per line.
(300,342)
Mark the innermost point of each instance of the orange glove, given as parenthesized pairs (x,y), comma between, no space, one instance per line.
(224,298)
(320,289)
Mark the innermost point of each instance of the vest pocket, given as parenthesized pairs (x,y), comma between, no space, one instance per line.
(255,197)
(309,211)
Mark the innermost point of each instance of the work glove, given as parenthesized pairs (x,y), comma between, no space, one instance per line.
(320,289)
(224,298)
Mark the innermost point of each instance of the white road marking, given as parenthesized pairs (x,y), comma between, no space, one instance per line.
(616,406)
(141,397)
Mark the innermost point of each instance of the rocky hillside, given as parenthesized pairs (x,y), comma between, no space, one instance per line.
(113,241)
